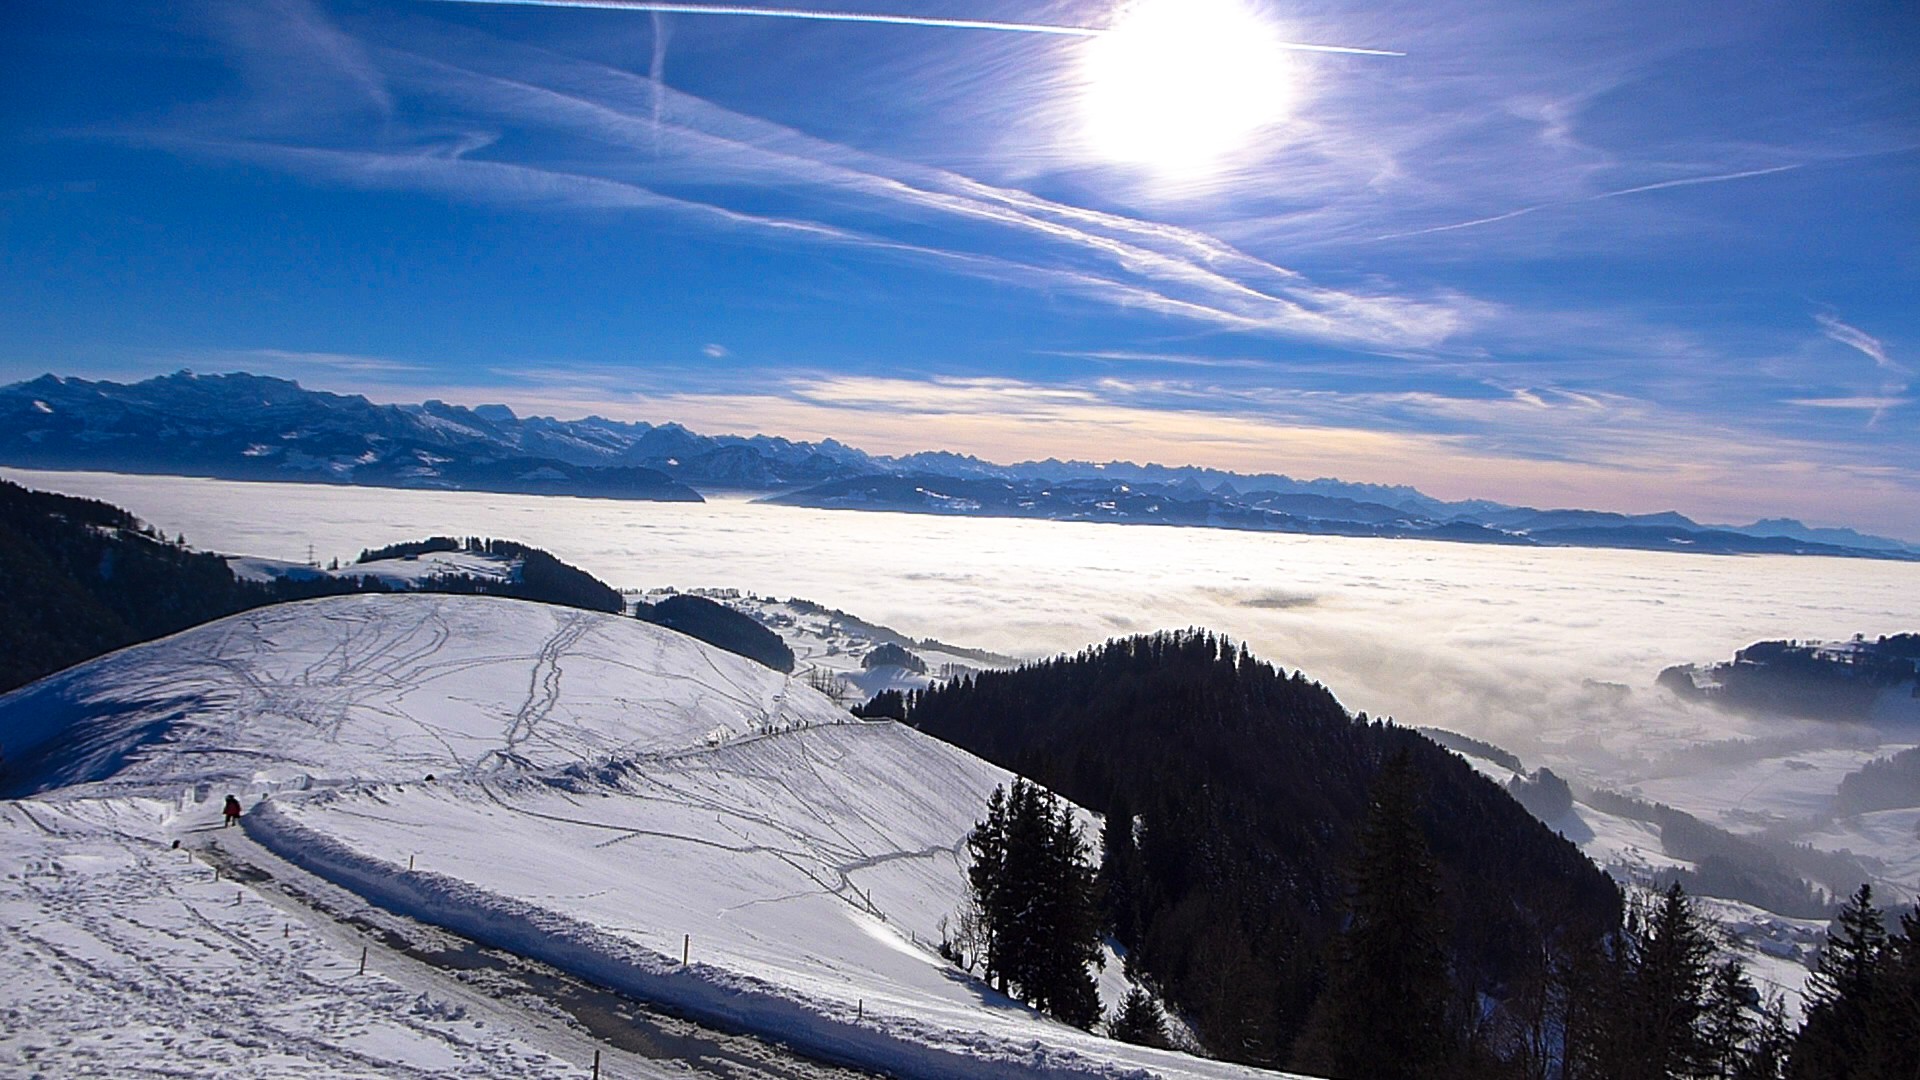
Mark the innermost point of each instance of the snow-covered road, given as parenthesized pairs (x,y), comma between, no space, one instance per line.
(588,791)
(128,957)
(125,957)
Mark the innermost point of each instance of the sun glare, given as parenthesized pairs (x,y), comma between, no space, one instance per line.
(1178,85)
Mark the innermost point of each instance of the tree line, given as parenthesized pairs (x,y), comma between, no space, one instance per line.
(1233,795)
(1656,999)
(1399,976)
(81,577)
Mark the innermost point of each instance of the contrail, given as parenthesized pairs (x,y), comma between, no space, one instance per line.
(866,17)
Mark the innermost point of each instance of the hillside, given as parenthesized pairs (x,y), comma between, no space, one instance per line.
(79,578)
(718,625)
(604,793)
(1247,786)
(1865,681)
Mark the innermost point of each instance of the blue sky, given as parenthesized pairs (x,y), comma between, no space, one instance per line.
(1635,256)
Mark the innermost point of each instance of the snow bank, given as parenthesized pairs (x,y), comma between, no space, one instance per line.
(704,992)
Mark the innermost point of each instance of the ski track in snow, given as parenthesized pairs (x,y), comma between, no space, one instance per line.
(609,791)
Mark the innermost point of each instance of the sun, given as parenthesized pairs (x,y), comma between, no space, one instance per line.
(1179,85)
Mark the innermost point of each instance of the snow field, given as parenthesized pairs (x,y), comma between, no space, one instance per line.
(125,957)
(388,687)
(605,790)
(809,870)
(402,573)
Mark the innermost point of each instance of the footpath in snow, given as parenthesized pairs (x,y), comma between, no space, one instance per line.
(604,794)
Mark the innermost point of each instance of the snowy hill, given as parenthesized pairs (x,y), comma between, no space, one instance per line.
(386,688)
(605,794)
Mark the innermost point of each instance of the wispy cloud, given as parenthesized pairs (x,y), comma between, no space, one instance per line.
(1638,189)
(1871,404)
(281,360)
(1896,376)
(1253,307)
(992,231)
(1130,356)
(1855,338)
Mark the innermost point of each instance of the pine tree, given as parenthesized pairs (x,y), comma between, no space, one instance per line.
(1384,1014)
(1119,878)
(1071,918)
(1834,1040)
(1021,920)
(986,876)
(1772,1042)
(1139,1020)
(1892,1037)
(1032,882)
(1666,994)
(1726,1024)
(1848,961)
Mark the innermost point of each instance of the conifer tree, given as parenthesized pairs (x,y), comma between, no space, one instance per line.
(1847,963)
(1665,997)
(1033,883)
(1833,1042)
(988,846)
(1139,1020)
(1384,1014)
(1727,1027)
(1070,916)
(1119,878)
(1892,1037)
(1772,1042)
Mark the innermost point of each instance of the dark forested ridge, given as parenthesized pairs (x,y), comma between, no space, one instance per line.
(79,578)
(1850,680)
(539,576)
(1246,788)
(720,626)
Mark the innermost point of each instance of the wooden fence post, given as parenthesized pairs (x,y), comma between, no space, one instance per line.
(363,959)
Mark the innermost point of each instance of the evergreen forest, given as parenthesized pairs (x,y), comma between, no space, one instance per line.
(1312,890)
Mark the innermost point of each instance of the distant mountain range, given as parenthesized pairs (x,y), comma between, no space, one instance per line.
(249,427)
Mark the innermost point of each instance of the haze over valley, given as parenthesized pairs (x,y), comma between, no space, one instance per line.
(1549,653)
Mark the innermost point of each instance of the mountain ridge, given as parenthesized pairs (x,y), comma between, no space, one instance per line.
(251,427)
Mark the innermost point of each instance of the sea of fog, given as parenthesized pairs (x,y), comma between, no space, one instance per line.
(1550,652)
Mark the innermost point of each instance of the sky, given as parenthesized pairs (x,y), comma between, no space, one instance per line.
(1624,255)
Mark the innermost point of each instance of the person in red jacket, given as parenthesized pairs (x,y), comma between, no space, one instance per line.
(232,811)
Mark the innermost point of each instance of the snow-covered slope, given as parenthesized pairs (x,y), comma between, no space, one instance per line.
(387,688)
(831,647)
(407,572)
(126,958)
(605,793)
